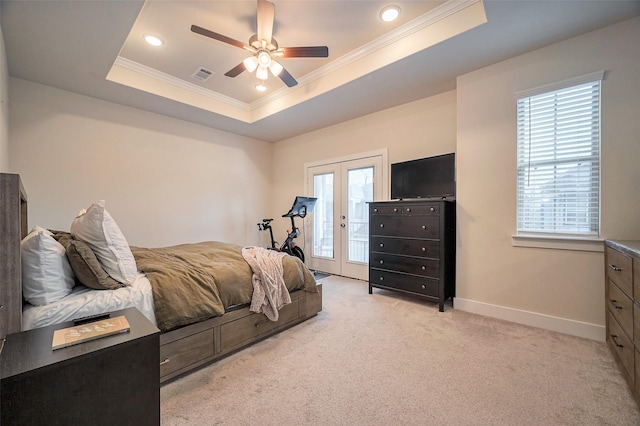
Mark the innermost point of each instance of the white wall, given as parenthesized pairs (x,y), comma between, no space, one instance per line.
(165,181)
(418,129)
(4,107)
(512,281)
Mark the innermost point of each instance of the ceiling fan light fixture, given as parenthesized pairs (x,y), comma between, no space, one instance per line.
(390,13)
(260,87)
(275,68)
(264,59)
(262,73)
(251,63)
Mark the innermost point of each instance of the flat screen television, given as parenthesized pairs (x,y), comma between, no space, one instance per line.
(431,177)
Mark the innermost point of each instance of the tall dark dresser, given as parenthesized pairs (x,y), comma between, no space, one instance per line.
(412,248)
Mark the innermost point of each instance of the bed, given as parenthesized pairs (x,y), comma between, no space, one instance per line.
(200,323)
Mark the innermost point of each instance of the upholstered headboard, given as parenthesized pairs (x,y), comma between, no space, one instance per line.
(13,227)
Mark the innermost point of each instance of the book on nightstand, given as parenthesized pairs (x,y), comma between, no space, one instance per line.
(89,331)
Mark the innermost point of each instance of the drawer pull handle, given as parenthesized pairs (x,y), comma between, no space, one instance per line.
(615,268)
(408,210)
(432,209)
(424,226)
(424,249)
(381,261)
(381,278)
(395,210)
(424,286)
(381,245)
(382,225)
(166,361)
(615,304)
(375,210)
(258,324)
(615,341)
(424,268)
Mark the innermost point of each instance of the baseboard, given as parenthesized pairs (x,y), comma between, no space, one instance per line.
(562,325)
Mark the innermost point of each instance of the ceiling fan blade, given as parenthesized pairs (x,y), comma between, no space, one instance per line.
(266,16)
(205,32)
(235,71)
(305,52)
(287,78)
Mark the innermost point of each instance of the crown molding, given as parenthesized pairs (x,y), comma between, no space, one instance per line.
(417,24)
(161,76)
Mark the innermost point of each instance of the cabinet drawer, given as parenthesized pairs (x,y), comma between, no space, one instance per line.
(636,280)
(411,265)
(422,209)
(619,270)
(637,372)
(419,285)
(406,226)
(622,346)
(636,324)
(186,351)
(621,306)
(395,209)
(243,329)
(407,246)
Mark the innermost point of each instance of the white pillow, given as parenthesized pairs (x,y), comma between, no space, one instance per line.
(96,227)
(46,273)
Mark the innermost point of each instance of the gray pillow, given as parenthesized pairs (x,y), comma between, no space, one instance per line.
(87,268)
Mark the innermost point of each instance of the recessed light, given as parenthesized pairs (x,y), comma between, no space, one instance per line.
(390,13)
(153,40)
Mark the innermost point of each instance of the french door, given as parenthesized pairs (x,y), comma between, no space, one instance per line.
(339,242)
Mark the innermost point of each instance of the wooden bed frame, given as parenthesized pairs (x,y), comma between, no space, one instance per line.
(181,350)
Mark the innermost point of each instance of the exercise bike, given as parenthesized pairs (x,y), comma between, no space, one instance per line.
(301,207)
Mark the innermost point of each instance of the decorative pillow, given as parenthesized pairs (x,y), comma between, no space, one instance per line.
(96,227)
(87,268)
(46,273)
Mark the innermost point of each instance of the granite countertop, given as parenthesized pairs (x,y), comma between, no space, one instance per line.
(630,247)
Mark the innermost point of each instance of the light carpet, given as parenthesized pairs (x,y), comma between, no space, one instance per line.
(389,359)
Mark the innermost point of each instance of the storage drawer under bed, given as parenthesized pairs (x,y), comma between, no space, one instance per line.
(237,332)
(184,352)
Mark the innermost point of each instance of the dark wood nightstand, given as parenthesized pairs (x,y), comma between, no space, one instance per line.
(112,380)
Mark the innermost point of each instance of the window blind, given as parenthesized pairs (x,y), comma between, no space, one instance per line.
(558,188)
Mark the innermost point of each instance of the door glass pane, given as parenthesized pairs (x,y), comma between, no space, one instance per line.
(323,216)
(360,191)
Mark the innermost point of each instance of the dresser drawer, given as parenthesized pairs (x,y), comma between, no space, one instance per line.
(636,280)
(622,346)
(419,285)
(636,324)
(411,265)
(406,226)
(237,332)
(386,210)
(621,307)
(422,209)
(182,353)
(619,270)
(406,246)
(637,372)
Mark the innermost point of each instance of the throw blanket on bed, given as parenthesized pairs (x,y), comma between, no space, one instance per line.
(269,290)
(194,282)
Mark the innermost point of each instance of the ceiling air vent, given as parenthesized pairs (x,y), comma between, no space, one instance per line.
(202,74)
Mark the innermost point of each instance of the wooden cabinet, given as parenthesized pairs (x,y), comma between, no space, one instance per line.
(622,304)
(113,380)
(412,248)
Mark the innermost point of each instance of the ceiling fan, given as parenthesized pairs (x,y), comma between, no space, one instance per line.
(265,48)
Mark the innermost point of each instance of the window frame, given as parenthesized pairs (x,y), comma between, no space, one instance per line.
(561,240)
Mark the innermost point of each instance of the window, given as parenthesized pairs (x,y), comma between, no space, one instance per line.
(559,159)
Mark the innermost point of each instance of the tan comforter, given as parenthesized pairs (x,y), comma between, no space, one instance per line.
(194,282)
